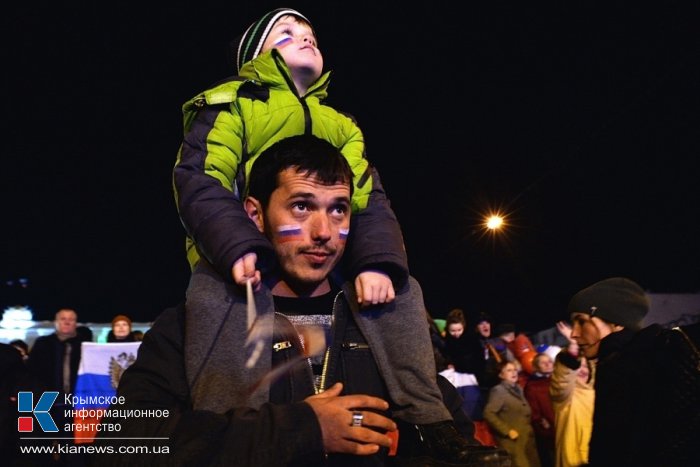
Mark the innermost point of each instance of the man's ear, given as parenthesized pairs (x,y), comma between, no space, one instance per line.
(255,212)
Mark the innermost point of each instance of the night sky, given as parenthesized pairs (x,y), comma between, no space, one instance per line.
(579,122)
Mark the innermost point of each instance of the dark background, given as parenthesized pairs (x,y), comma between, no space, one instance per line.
(578,121)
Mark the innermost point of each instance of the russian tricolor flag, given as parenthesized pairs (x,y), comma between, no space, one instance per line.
(101,367)
(289,233)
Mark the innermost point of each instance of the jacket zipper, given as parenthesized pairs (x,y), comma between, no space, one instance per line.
(326,358)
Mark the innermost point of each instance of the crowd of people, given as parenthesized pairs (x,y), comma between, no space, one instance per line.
(303,340)
(547,405)
(50,364)
(613,394)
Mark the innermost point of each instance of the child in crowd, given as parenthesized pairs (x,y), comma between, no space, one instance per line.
(279,92)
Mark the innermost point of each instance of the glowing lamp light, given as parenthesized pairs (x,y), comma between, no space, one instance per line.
(17,317)
(494,222)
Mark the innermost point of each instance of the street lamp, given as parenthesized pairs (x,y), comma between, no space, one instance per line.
(494,222)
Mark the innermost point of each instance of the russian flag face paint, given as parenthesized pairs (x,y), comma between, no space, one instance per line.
(282,41)
(289,233)
(343,234)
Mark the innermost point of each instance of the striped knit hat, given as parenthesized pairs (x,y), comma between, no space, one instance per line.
(248,46)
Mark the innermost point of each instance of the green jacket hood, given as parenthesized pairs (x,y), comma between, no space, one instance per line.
(268,69)
(271,69)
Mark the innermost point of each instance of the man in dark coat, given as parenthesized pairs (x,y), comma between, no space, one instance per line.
(307,408)
(54,359)
(646,383)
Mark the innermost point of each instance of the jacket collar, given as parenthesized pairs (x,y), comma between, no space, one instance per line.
(269,68)
(627,339)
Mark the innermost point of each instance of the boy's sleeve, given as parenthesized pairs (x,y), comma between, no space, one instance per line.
(203,180)
(376,241)
(376,238)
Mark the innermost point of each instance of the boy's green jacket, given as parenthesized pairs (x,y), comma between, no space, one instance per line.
(227,126)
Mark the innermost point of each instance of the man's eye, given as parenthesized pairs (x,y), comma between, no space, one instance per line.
(299,206)
(340,210)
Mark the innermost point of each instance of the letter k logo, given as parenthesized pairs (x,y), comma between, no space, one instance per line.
(25,403)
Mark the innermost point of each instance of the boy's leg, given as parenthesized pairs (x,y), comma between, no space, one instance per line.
(400,341)
(399,338)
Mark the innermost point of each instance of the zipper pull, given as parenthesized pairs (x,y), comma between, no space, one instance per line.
(354,346)
(281,345)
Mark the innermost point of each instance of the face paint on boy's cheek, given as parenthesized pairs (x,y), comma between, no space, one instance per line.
(282,41)
(289,233)
(343,234)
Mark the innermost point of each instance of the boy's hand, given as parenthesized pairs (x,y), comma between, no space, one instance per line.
(374,287)
(244,269)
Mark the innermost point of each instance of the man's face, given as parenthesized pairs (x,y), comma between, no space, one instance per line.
(66,322)
(588,331)
(308,224)
(484,328)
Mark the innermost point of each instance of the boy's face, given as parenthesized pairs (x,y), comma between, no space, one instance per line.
(308,223)
(297,44)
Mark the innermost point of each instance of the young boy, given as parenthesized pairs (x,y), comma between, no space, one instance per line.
(279,92)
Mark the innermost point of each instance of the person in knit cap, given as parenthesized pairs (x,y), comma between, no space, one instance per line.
(121,330)
(645,379)
(279,91)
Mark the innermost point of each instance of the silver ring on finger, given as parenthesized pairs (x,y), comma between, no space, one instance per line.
(357,418)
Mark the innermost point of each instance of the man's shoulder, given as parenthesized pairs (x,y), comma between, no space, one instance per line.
(170,322)
(159,367)
(45,340)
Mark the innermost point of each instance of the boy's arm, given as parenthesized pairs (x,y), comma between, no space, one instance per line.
(203,180)
(377,241)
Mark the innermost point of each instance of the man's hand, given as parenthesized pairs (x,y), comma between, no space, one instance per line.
(374,287)
(334,413)
(244,269)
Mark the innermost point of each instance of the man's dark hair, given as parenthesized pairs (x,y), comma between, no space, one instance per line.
(307,154)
